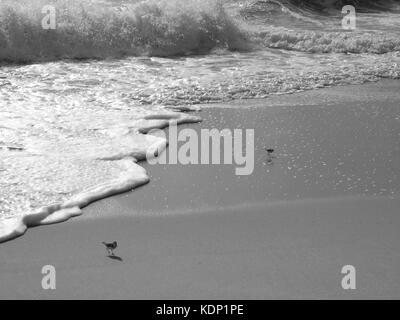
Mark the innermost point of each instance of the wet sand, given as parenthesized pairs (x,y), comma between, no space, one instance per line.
(330,198)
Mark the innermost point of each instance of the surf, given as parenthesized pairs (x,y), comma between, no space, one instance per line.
(87,30)
(75,101)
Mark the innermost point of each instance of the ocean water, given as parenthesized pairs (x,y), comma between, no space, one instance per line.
(73,99)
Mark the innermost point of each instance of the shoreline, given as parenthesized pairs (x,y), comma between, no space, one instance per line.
(288,244)
(134,177)
(293,176)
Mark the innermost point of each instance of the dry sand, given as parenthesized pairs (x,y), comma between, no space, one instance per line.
(330,199)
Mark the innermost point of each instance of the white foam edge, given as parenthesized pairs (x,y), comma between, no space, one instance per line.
(133,177)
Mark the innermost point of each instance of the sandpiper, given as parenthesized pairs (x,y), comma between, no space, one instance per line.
(110,247)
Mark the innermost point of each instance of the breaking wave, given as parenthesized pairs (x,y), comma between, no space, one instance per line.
(322,42)
(315,26)
(87,29)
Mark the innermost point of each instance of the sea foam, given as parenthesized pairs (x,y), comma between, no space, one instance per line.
(129,176)
(329,42)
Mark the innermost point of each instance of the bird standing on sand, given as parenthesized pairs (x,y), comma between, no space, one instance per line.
(270,157)
(111,247)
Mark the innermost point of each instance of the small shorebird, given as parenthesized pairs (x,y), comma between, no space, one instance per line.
(270,155)
(111,247)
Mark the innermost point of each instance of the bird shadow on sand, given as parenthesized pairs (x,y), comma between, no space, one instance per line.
(114,257)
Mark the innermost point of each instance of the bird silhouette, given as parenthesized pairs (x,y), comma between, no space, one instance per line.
(110,247)
(270,156)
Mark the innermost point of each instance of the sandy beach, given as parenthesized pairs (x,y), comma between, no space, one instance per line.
(329,199)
